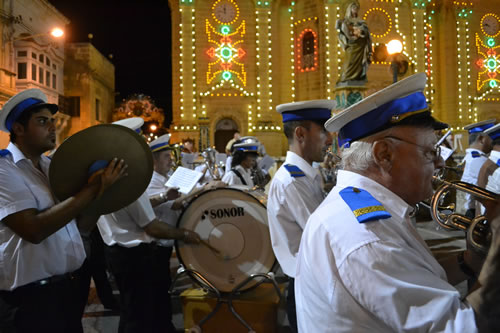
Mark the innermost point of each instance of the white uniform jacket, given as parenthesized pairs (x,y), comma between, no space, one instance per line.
(474,160)
(124,227)
(372,276)
(22,186)
(230,178)
(163,211)
(494,182)
(293,196)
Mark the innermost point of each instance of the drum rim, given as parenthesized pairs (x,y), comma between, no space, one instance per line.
(176,245)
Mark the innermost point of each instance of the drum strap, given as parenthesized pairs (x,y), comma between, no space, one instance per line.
(237,173)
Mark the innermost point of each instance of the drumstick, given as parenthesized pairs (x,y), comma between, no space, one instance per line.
(210,247)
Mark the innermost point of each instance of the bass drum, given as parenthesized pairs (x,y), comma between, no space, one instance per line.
(233,222)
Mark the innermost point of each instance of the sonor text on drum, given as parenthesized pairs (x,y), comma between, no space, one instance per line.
(224,212)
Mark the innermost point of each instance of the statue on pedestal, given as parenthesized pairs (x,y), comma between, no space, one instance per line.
(355,38)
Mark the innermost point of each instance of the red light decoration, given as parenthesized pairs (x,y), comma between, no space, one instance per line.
(211,52)
(301,63)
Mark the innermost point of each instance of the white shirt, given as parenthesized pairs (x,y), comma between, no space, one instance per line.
(495,156)
(376,276)
(163,211)
(23,186)
(290,202)
(471,172)
(125,226)
(230,178)
(494,182)
(229,160)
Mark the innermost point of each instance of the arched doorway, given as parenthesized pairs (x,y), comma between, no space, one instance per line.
(224,131)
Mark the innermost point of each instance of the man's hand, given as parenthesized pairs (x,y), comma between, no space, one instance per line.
(172,194)
(103,179)
(213,184)
(113,172)
(191,237)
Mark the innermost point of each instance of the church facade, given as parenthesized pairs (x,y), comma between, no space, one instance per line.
(235,60)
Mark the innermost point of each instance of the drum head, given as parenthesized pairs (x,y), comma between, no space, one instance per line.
(235,223)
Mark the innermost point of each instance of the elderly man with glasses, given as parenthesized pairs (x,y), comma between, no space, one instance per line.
(362,266)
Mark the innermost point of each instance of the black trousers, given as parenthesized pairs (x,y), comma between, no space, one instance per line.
(290,305)
(144,306)
(163,281)
(95,267)
(54,307)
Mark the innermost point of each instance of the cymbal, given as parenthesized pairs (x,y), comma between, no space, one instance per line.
(70,164)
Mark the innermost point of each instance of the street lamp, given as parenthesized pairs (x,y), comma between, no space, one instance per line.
(394,48)
(55,32)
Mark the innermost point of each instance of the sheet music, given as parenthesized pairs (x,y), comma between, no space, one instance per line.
(184,179)
(266,163)
(446,152)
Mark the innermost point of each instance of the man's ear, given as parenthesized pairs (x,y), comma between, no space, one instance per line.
(17,129)
(299,133)
(383,154)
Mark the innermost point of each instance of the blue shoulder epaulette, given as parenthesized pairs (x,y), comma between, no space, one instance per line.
(364,207)
(4,152)
(475,154)
(294,171)
(498,162)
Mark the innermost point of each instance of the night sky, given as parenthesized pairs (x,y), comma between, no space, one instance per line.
(136,33)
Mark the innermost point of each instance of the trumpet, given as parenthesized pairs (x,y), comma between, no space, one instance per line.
(177,156)
(478,230)
(209,159)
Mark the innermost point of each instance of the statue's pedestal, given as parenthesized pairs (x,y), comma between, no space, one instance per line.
(348,93)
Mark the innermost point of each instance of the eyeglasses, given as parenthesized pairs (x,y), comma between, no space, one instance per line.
(432,154)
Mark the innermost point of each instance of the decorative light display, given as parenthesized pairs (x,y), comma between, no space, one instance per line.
(488,63)
(225,12)
(466,112)
(376,11)
(187,56)
(292,53)
(304,20)
(210,92)
(403,36)
(491,21)
(227,56)
(264,67)
(327,52)
(227,76)
(300,61)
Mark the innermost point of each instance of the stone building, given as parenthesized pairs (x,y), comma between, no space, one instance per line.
(74,75)
(89,87)
(29,56)
(235,60)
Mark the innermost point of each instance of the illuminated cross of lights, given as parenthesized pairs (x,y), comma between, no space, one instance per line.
(488,63)
(226,55)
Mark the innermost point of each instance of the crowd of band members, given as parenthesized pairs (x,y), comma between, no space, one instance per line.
(353,257)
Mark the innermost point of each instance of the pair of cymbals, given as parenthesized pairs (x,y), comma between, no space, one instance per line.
(70,165)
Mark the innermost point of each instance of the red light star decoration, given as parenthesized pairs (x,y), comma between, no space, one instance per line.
(225,53)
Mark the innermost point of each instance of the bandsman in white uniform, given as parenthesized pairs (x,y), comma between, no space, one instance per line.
(129,235)
(475,156)
(244,159)
(296,189)
(493,181)
(362,266)
(166,204)
(41,249)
